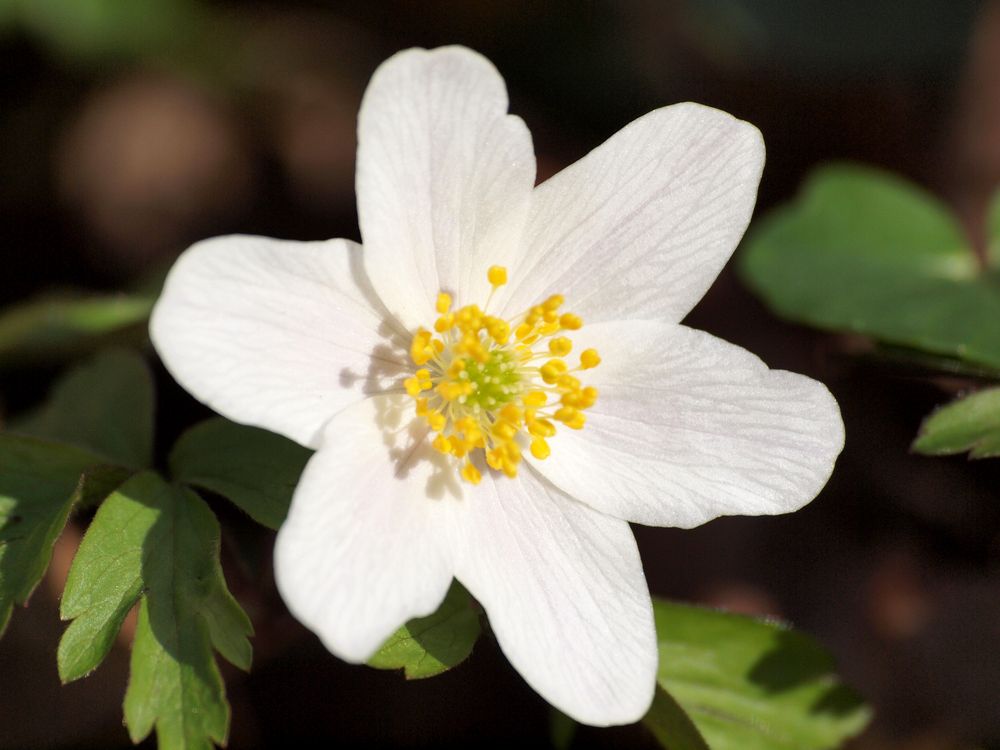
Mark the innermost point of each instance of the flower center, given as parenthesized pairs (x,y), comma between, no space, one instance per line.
(490,387)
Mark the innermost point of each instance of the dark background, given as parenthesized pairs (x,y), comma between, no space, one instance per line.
(127,134)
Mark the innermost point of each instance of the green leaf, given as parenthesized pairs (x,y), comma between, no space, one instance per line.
(158,544)
(254,468)
(39,482)
(428,646)
(970,424)
(866,252)
(104,405)
(61,327)
(97,482)
(671,726)
(753,685)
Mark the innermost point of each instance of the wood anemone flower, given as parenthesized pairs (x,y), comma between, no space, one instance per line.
(497,382)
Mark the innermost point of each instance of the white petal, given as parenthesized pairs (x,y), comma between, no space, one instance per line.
(358,555)
(688,427)
(276,334)
(444,176)
(565,594)
(642,225)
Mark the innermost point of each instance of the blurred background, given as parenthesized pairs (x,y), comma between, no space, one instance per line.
(130,128)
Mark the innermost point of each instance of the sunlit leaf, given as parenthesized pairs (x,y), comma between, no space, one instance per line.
(671,725)
(39,483)
(970,424)
(753,685)
(862,251)
(58,328)
(104,405)
(428,646)
(157,544)
(256,469)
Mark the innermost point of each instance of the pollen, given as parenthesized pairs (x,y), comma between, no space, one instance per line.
(492,388)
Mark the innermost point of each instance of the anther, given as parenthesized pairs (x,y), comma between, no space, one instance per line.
(497,275)
(470,473)
(560,346)
(589,358)
(571,321)
(540,449)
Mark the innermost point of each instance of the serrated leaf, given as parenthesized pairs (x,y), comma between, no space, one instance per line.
(255,469)
(428,646)
(671,726)
(753,685)
(59,327)
(104,405)
(39,482)
(158,544)
(863,251)
(970,424)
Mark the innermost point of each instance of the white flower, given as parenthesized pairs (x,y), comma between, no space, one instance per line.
(335,346)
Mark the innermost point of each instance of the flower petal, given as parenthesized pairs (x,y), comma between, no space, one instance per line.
(275,334)
(688,427)
(359,555)
(444,178)
(642,225)
(564,590)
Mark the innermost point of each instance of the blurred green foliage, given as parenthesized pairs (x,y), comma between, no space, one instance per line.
(863,251)
(97,30)
(57,328)
(104,405)
(192,36)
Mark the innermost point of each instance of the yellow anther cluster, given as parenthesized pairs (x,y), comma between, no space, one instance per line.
(490,387)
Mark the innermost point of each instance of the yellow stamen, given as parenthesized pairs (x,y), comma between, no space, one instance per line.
(571,322)
(535,398)
(470,473)
(589,358)
(560,346)
(540,449)
(497,275)
(490,385)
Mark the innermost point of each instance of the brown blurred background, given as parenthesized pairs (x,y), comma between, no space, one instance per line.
(130,128)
